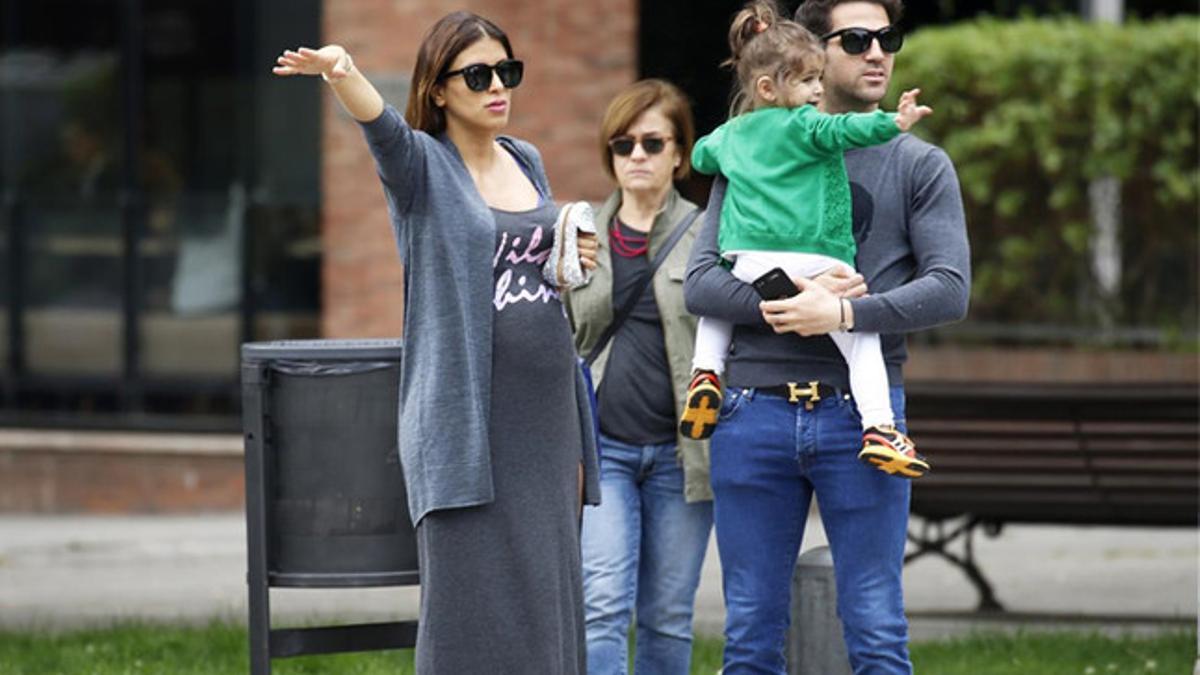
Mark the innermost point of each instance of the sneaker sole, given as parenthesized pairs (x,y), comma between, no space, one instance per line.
(894,463)
(699,418)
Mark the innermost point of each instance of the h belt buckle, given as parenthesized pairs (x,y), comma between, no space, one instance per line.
(812,393)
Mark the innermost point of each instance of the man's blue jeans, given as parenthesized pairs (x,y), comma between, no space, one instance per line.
(769,457)
(642,548)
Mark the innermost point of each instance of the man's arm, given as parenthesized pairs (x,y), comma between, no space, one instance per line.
(940,289)
(710,289)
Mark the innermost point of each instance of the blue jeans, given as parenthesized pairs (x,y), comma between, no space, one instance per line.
(642,547)
(769,457)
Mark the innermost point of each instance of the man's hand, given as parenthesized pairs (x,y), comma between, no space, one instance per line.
(815,311)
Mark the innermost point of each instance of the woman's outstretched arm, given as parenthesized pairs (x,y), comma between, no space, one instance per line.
(356,94)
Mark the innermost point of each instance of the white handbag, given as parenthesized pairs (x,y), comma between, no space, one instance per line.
(562,268)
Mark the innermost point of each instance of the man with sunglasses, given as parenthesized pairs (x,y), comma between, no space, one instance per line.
(789,431)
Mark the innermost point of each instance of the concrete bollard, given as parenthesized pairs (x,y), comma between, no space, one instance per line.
(815,645)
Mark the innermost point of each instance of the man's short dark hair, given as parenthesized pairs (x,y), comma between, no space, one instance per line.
(814,14)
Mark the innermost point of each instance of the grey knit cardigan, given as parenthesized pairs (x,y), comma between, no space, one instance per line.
(446,237)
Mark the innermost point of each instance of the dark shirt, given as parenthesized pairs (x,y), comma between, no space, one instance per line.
(636,401)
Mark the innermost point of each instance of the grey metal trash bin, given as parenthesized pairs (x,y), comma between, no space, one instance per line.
(325,499)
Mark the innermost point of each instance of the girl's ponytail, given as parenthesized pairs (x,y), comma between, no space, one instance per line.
(762,41)
(754,18)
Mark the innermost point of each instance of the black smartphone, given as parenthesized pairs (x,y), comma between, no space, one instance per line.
(775,285)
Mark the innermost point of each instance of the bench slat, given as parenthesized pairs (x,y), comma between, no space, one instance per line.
(1047,454)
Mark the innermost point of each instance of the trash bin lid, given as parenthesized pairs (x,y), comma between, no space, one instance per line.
(324,350)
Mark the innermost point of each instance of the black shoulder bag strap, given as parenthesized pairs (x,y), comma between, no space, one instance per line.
(627,309)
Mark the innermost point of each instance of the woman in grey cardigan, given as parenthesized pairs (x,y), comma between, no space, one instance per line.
(494,423)
(644,545)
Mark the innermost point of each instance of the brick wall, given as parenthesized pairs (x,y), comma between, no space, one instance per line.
(117,472)
(577,56)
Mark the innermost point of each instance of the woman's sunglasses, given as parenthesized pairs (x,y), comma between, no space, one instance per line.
(478,76)
(623,146)
(858,40)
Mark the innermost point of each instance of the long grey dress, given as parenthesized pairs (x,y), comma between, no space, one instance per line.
(501,583)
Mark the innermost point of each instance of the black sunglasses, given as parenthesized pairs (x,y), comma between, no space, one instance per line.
(858,40)
(478,76)
(623,146)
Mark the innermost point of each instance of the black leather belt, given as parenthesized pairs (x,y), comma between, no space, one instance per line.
(807,393)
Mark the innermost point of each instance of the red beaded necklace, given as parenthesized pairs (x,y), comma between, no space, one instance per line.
(627,245)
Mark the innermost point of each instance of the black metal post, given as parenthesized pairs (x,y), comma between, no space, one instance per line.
(254,377)
(16,295)
(246,73)
(132,204)
(16,241)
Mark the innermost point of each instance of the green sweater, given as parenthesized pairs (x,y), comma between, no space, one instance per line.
(788,189)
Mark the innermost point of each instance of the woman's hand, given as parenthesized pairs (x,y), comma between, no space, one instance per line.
(588,246)
(579,490)
(331,61)
(814,311)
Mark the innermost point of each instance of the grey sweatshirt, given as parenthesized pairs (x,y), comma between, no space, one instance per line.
(446,236)
(912,249)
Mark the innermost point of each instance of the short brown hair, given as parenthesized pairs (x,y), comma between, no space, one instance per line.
(629,104)
(814,14)
(442,44)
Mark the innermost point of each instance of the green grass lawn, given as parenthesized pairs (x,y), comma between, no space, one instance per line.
(221,648)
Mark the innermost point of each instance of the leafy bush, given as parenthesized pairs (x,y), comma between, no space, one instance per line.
(1032,112)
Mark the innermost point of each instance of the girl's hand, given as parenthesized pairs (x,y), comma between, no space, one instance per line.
(908,113)
(588,246)
(843,282)
(330,61)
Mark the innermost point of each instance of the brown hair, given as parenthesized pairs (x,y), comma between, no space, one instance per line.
(762,42)
(629,104)
(814,14)
(442,44)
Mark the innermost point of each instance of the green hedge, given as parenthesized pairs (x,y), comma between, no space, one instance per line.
(1033,110)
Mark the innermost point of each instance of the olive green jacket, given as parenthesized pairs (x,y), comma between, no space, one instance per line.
(590,308)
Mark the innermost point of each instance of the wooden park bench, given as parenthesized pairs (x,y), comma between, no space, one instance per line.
(1099,454)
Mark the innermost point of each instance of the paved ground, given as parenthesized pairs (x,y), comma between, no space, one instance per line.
(62,572)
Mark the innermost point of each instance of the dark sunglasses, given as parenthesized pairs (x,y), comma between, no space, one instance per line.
(478,76)
(858,40)
(622,146)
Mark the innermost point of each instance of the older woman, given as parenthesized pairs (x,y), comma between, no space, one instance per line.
(493,412)
(644,545)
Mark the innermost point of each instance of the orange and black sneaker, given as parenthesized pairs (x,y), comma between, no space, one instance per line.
(702,407)
(892,452)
